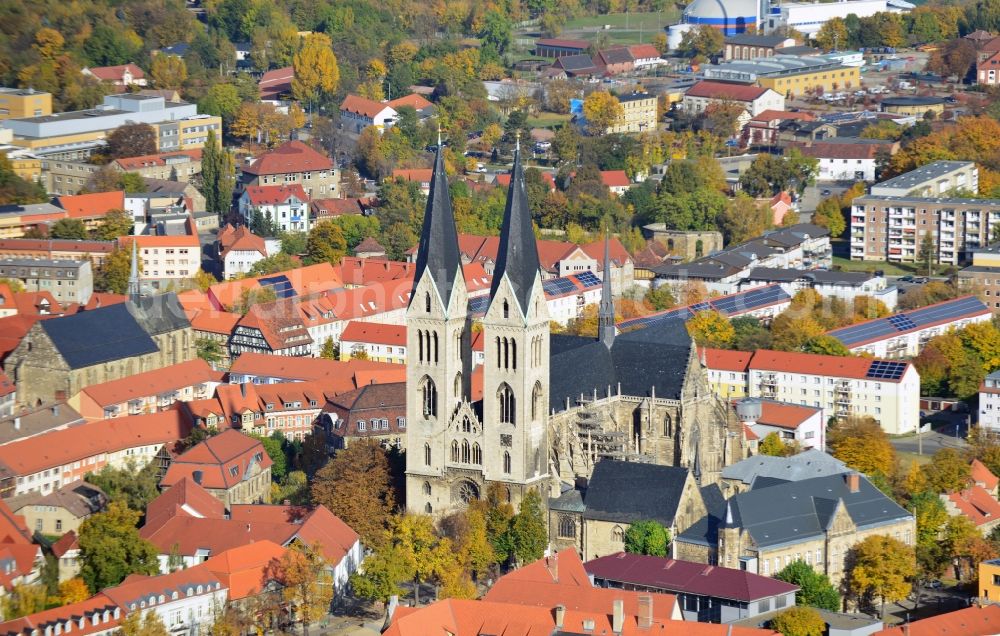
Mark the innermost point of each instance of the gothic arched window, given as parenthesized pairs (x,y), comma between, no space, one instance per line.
(454,451)
(477,454)
(427,302)
(427,488)
(427,454)
(466,425)
(466,452)
(617,534)
(567,526)
(458,387)
(435,338)
(499,354)
(429,398)
(506,466)
(506,309)
(420,345)
(668,427)
(536,401)
(513,354)
(506,404)
(428,508)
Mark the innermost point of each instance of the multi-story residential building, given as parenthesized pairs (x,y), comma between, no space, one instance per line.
(989,403)
(935,179)
(147,392)
(74,135)
(846,286)
(273,328)
(58,249)
(825,518)
(566,297)
(374,411)
(49,461)
(989,585)
(179,165)
(293,163)
(983,276)
(286,206)
(96,616)
(256,368)
(187,600)
(727,371)
(754,99)
(60,511)
(765,128)
(887,391)
(288,408)
(67,281)
(639,114)
(166,259)
(326,315)
(847,161)
(231,466)
(373,341)
(16,103)
(62,176)
(891,228)
(903,335)
(240,249)
(359,113)
(790,74)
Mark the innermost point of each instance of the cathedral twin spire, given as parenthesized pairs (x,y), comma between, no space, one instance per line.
(438,251)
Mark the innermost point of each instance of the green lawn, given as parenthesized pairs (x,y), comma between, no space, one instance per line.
(890,269)
(548,120)
(650,22)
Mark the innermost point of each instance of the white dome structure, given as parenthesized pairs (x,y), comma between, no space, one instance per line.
(729,16)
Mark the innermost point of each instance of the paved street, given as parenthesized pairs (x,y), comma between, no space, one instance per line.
(946,425)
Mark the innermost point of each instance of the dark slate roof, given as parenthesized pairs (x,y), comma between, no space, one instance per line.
(577,63)
(627,492)
(517,256)
(159,314)
(751,39)
(617,55)
(642,361)
(438,251)
(99,335)
(775,512)
(672,575)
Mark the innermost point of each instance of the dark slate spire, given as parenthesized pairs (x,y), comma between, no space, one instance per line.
(606,316)
(517,258)
(134,291)
(438,251)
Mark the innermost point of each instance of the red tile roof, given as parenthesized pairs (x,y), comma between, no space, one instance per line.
(363,106)
(65,543)
(813,364)
(87,616)
(420,175)
(290,157)
(971,621)
(374,333)
(829,150)
(326,371)
(274,83)
(369,245)
(687,577)
(6,385)
(417,102)
(275,194)
(171,240)
(116,73)
(222,460)
(643,51)
(243,570)
(976,504)
(91,205)
(130,164)
(335,207)
(151,383)
(137,588)
(726,360)
(783,415)
(503,180)
(211,321)
(185,498)
(772,115)
(356,271)
(615,178)
(722,90)
(65,446)
(980,474)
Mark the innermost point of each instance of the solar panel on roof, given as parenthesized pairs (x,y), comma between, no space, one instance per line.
(875,329)
(588,279)
(558,286)
(886,370)
(901,322)
(280,284)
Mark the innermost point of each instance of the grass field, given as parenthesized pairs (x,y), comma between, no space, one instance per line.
(650,22)
(547,120)
(890,269)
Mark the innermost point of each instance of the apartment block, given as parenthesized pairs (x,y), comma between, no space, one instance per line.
(24,102)
(289,164)
(983,276)
(67,281)
(989,403)
(167,259)
(932,180)
(891,228)
(638,114)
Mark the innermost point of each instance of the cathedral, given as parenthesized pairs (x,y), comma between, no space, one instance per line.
(552,406)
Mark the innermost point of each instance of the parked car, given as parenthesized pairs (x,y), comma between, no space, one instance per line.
(825,192)
(920,280)
(905,279)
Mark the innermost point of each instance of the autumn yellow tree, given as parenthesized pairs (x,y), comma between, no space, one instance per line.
(799,621)
(711,329)
(882,567)
(602,110)
(168,71)
(832,35)
(306,582)
(355,486)
(73,591)
(316,70)
(861,443)
(791,332)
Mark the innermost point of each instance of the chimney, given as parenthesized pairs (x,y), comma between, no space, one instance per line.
(560,615)
(645,617)
(618,616)
(853,480)
(17,423)
(197,475)
(248,527)
(243,389)
(55,410)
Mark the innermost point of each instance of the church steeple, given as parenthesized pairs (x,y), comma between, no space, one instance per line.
(517,258)
(606,316)
(438,253)
(133,278)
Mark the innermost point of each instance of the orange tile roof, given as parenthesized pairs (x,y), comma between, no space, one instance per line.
(616,251)
(420,175)
(643,51)
(362,106)
(980,474)
(146,240)
(185,498)
(364,271)
(971,621)
(137,587)
(275,194)
(417,102)
(65,446)
(87,617)
(290,368)
(130,164)
(194,300)
(374,333)
(163,380)
(749,434)
(291,156)
(813,364)
(65,543)
(976,504)
(615,178)
(111,73)
(240,238)
(770,115)
(223,460)
(6,385)
(726,360)
(243,569)
(722,90)
(212,321)
(94,204)
(783,415)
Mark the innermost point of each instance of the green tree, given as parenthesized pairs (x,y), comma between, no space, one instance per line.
(882,567)
(168,71)
(112,276)
(355,485)
(832,35)
(799,621)
(927,253)
(750,334)
(24,599)
(143,623)
(307,585)
(275,449)
(647,537)
(861,443)
(326,243)
(111,548)
(701,42)
(497,31)
(222,100)
(815,588)
(293,243)
(131,140)
(133,486)
(330,349)
(14,189)
(829,215)
(114,224)
(68,229)
(827,346)
(218,176)
(660,298)
(475,549)
(773,445)
(602,110)
(499,515)
(279,262)
(356,228)
(210,350)
(710,328)
(947,471)
(381,574)
(744,219)
(421,553)
(529,532)
(253,296)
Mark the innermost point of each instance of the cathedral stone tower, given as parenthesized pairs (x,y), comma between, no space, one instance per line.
(439,361)
(516,348)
